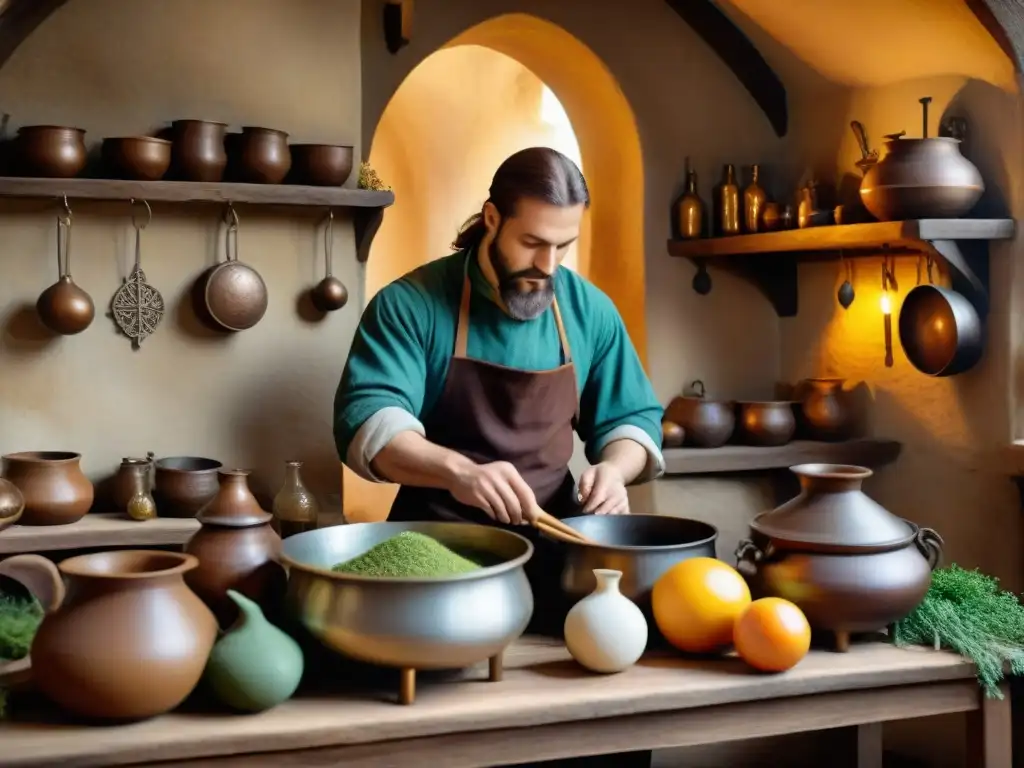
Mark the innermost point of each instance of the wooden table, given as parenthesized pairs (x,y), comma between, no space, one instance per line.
(662,702)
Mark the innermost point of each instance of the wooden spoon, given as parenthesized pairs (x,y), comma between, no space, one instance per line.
(556,529)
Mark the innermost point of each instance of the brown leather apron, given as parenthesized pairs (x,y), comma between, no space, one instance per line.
(489,412)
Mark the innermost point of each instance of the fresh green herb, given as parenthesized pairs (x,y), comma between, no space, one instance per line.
(409,554)
(19,619)
(965,611)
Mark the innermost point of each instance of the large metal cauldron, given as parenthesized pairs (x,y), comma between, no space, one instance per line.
(411,623)
(641,546)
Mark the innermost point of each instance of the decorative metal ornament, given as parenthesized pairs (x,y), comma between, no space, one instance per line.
(137,306)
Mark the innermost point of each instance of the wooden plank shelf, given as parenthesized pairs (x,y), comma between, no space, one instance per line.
(865,452)
(770,259)
(98,529)
(367,205)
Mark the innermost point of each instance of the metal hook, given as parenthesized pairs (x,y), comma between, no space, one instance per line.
(149,214)
(231,216)
(65,215)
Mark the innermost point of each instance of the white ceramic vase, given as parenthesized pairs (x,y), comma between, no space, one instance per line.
(606,631)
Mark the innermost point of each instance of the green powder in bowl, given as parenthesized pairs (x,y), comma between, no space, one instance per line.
(409,554)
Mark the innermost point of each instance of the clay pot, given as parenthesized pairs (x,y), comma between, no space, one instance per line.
(50,151)
(849,564)
(321,165)
(55,489)
(182,485)
(766,423)
(237,549)
(40,578)
(12,504)
(197,151)
(824,410)
(706,423)
(263,156)
(123,484)
(130,640)
(138,158)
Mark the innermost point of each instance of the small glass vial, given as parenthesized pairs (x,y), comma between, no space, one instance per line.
(141,505)
(295,509)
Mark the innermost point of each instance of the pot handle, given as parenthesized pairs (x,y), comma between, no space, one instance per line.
(748,552)
(698,388)
(931,545)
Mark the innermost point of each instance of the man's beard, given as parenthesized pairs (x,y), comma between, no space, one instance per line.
(522,302)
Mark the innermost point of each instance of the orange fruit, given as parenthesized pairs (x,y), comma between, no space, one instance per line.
(696,604)
(772,635)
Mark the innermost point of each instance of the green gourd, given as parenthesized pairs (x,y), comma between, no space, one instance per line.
(254,666)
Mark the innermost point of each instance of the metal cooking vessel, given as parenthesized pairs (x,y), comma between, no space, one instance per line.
(641,546)
(705,423)
(414,623)
(921,178)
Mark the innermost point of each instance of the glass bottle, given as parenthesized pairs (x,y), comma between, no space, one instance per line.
(689,211)
(141,505)
(295,509)
(727,204)
(754,198)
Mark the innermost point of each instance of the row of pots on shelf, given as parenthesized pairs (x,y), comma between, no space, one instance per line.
(165,607)
(701,422)
(194,150)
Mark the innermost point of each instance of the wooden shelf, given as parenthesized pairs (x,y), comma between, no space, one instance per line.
(865,452)
(97,530)
(770,259)
(367,206)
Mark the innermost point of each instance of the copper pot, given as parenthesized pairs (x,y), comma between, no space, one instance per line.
(50,151)
(766,423)
(130,640)
(137,158)
(849,564)
(824,410)
(705,423)
(263,156)
(12,504)
(230,296)
(921,178)
(197,152)
(237,549)
(55,489)
(321,165)
(182,485)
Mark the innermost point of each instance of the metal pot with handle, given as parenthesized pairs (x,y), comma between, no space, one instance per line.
(940,330)
(231,296)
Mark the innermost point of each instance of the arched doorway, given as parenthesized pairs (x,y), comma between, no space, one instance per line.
(611,249)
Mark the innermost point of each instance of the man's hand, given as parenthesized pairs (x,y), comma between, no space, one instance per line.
(496,488)
(603,491)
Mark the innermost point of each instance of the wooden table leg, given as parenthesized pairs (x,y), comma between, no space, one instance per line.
(869,745)
(989,732)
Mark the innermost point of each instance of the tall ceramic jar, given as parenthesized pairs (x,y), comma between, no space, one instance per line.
(130,640)
(295,509)
(237,549)
(55,489)
(606,631)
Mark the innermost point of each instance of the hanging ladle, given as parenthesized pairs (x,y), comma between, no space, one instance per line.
(845,294)
(330,293)
(65,308)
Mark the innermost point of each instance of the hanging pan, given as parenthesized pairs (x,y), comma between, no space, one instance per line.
(940,330)
(231,295)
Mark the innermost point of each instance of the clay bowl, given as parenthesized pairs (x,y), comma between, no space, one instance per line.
(50,151)
(184,484)
(321,165)
(137,158)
